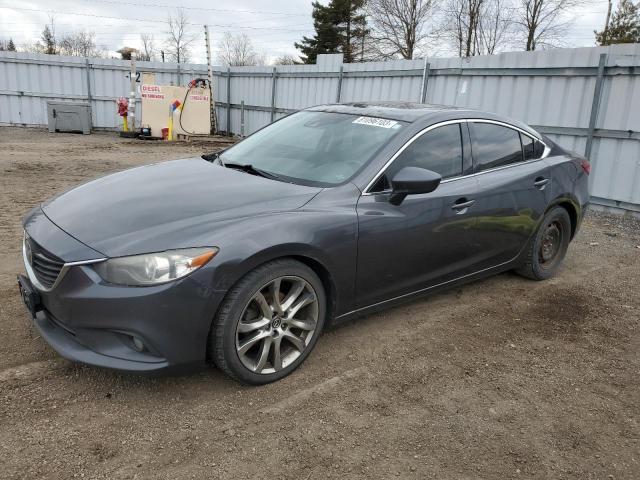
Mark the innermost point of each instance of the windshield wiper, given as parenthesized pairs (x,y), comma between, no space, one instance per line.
(248,168)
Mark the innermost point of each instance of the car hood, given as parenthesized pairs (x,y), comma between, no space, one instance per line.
(175,204)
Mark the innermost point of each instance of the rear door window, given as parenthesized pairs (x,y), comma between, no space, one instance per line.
(494,146)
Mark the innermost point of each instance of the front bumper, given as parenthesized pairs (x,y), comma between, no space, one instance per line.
(90,321)
(68,346)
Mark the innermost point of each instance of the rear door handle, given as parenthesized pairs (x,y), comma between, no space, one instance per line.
(462,204)
(541,182)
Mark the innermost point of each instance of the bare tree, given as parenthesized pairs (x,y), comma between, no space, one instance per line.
(148,51)
(179,38)
(80,44)
(496,26)
(399,25)
(30,47)
(237,50)
(287,60)
(541,22)
(461,25)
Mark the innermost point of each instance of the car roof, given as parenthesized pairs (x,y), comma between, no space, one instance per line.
(416,112)
(402,111)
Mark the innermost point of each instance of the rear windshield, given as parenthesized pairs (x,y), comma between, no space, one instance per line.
(315,148)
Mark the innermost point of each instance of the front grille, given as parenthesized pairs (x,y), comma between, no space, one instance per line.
(46,266)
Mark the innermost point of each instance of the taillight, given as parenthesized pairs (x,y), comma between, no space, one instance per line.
(586,166)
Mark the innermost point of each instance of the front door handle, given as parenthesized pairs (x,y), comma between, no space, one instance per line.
(541,182)
(462,204)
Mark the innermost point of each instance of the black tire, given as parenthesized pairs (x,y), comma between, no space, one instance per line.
(537,264)
(222,339)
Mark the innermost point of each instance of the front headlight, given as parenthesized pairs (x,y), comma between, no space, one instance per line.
(154,268)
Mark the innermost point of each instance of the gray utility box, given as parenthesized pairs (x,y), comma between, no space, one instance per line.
(69,117)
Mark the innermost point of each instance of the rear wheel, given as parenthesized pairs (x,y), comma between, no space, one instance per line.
(548,247)
(269,322)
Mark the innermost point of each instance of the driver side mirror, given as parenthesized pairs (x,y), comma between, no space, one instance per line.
(412,181)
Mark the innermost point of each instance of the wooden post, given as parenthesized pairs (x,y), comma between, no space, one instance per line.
(131,112)
(212,103)
(89,96)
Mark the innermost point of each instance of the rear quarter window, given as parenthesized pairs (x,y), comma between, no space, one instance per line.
(532,149)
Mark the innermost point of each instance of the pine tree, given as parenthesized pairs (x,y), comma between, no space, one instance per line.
(624,26)
(11,47)
(325,39)
(351,26)
(49,41)
(340,27)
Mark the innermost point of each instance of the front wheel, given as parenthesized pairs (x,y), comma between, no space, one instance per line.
(548,247)
(269,322)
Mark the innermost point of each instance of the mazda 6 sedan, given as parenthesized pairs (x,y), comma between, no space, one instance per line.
(242,258)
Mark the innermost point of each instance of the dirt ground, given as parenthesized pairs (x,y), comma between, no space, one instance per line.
(503,378)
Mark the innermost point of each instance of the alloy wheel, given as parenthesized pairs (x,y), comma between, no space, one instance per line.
(277,324)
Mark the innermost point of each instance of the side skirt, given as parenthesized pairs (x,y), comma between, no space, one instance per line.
(407,297)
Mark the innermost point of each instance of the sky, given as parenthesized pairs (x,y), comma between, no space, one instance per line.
(272,25)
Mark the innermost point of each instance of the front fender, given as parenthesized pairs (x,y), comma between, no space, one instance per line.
(327,238)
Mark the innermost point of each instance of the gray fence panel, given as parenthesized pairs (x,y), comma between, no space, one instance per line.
(295,93)
(27,81)
(400,86)
(30,83)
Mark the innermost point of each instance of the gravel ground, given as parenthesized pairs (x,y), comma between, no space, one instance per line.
(503,378)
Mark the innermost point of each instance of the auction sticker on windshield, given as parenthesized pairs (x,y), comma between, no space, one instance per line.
(376,122)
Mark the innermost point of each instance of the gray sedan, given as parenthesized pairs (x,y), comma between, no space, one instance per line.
(242,258)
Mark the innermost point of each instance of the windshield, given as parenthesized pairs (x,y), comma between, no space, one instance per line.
(316,148)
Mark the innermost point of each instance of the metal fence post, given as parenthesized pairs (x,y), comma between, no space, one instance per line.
(89,96)
(242,118)
(425,81)
(228,101)
(595,105)
(273,94)
(339,92)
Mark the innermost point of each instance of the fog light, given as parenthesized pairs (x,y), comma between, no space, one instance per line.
(138,345)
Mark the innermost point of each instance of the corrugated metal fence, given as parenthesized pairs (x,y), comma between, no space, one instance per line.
(586,99)
(28,81)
